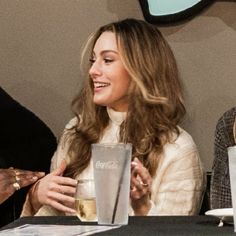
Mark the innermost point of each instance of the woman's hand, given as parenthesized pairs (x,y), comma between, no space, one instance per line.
(14,179)
(56,191)
(141,182)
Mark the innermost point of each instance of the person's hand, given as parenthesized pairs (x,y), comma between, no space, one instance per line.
(12,180)
(141,182)
(56,191)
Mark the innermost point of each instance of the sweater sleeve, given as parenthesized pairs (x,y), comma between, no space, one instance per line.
(179,184)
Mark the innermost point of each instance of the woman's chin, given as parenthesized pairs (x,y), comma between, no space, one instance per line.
(100,103)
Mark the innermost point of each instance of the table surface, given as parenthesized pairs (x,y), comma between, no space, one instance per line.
(151,225)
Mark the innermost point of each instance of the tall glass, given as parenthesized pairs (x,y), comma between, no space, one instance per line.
(111,163)
(232,174)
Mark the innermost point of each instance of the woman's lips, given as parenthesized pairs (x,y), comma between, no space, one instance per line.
(98,86)
(101,84)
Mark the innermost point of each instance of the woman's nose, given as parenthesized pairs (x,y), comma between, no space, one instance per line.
(95,70)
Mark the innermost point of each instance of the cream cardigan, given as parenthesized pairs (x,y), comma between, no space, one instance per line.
(177,187)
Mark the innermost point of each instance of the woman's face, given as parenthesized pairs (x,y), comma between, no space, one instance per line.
(110,78)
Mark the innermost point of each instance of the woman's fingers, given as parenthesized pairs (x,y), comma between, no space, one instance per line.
(53,189)
(59,184)
(60,197)
(56,186)
(141,173)
(67,189)
(65,181)
(60,170)
(137,191)
(61,207)
(57,191)
(140,180)
(139,169)
(59,194)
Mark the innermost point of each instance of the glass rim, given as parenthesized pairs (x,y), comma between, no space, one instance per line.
(111,144)
(231,147)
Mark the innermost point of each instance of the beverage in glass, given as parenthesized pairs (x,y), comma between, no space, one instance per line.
(85,201)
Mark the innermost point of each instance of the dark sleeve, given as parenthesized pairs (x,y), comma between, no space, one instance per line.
(220,193)
(2,163)
(26,142)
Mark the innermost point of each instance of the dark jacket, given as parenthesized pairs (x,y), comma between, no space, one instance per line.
(220,193)
(25,143)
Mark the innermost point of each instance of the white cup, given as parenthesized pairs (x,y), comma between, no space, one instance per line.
(232,174)
(111,163)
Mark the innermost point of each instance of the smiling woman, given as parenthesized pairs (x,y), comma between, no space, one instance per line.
(110,78)
(167,11)
(130,95)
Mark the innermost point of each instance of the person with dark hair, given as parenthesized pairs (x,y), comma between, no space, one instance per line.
(26,148)
(225,136)
(132,95)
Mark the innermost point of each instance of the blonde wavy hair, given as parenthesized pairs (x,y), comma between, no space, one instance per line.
(155,99)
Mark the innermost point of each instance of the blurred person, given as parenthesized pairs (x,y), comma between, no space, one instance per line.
(225,136)
(26,148)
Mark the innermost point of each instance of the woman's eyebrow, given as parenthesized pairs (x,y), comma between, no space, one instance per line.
(104,52)
(107,51)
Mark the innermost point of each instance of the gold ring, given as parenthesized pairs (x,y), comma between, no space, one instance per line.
(17,178)
(16,172)
(16,186)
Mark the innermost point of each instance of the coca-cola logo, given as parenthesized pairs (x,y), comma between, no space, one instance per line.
(106,165)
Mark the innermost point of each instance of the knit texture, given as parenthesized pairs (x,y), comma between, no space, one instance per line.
(178,185)
(220,193)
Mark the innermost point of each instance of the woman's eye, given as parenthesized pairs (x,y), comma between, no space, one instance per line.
(107,61)
(91,60)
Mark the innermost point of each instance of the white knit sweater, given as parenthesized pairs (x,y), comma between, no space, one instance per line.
(177,187)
